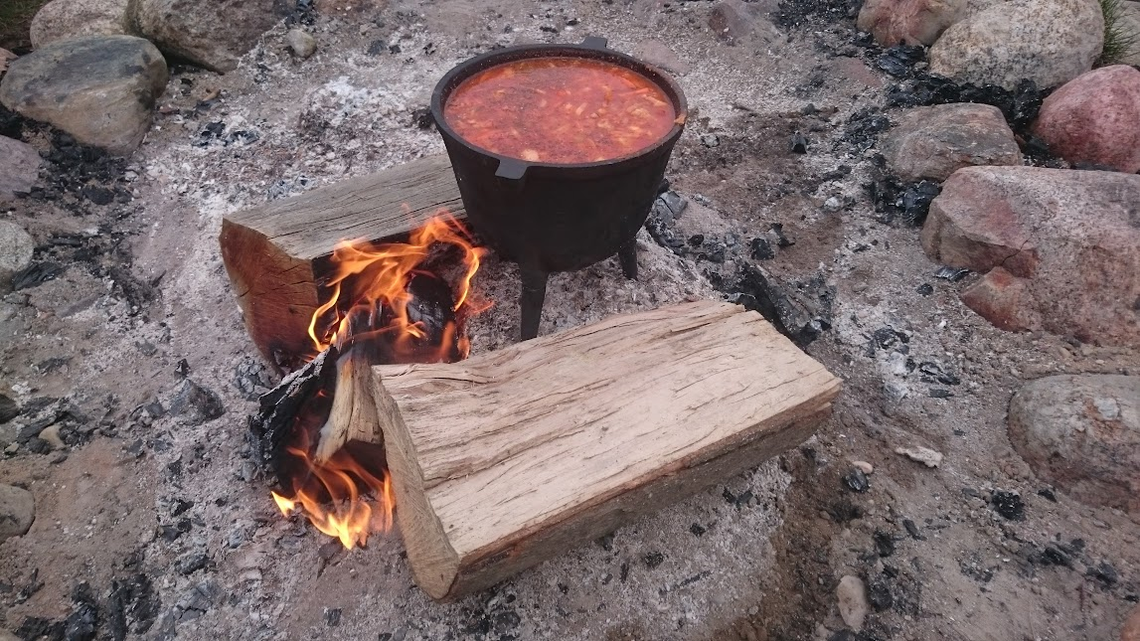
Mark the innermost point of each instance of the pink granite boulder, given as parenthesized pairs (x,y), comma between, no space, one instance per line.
(1095,118)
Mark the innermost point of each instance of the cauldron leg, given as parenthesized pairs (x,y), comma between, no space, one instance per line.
(627,255)
(533,294)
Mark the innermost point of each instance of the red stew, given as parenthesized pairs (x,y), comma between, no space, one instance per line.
(560,110)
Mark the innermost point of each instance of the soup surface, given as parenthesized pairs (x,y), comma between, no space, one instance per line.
(560,110)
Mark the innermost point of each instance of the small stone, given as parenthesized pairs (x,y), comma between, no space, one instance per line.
(864,467)
(710,140)
(17,511)
(1095,118)
(108,104)
(910,22)
(191,562)
(16,249)
(925,289)
(19,169)
(853,603)
(50,435)
(924,455)
(301,43)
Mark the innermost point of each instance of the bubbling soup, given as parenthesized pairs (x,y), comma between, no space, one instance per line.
(560,110)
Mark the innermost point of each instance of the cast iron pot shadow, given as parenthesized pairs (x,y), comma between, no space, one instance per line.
(556,217)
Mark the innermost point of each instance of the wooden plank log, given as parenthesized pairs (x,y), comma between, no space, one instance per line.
(276,253)
(508,458)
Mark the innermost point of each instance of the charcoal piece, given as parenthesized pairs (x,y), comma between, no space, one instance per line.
(879,594)
(793,314)
(1054,555)
(856,480)
(799,143)
(884,543)
(1105,573)
(899,60)
(697,530)
(1047,494)
(377,47)
(35,274)
(887,338)
(332,617)
(422,118)
(696,240)
(915,200)
(653,559)
(1008,505)
(606,541)
(674,202)
(863,128)
(952,274)
(714,253)
(81,624)
(98,195)
(9,409)
(761,249)
(940,392)
(194,404)
(925,289)
(912,530)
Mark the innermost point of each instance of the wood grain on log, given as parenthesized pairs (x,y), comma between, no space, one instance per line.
(276,253)
(508,458)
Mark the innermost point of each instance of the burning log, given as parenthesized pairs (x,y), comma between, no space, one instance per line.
(277,254)
(508,458)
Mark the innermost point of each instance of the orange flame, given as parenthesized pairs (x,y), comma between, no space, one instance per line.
(366,278)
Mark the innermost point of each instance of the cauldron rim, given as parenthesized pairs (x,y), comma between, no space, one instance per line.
(591,48)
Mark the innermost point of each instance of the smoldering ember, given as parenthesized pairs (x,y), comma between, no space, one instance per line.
(629,319)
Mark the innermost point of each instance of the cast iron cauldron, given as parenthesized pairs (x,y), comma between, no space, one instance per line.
(556,217)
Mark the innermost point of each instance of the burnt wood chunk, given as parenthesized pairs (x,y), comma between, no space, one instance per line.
(511,457)
(276,253)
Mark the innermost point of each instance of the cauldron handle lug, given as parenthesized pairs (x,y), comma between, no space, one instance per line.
(511,170)
(533,295)
(594,42)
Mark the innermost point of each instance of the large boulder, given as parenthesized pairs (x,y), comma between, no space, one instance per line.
(910,22)
(1095,118)
(65,19)
(100,89)
(1129,21)
(934,142)
(1047,41)
(211,33)
(19,168)
(1082,434)
(1061,248)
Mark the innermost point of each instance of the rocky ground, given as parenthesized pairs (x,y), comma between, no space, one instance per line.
(129,376)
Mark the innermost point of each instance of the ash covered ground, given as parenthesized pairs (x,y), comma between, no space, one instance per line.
(152,521)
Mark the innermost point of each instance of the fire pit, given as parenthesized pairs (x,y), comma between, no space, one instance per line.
(539,205)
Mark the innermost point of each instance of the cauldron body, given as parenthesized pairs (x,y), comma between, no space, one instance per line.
(556,217)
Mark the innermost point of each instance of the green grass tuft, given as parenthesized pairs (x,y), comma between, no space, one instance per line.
(15,18)
(1120,37)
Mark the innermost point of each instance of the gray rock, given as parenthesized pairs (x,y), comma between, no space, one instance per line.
(300,43)
(100,89)
(193,404)
(1047,41)
(1082,434)
(17,511)
(853,603)
(910,22)
(934,142)
(19,168)
(16,248)
(1060,249)
(66,19)
(1130,27)
(210,33)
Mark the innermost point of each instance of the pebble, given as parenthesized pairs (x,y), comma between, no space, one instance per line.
(16,248)
(301,43)
(864,467)
(50,434)
(853,604)
(17,511)
(924,455)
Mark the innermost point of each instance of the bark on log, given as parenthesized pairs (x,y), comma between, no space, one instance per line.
(275,254)
(508,458)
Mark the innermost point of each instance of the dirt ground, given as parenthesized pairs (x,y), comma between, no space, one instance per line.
(153,522)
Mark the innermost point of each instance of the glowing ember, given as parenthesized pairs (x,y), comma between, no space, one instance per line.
(373,312)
